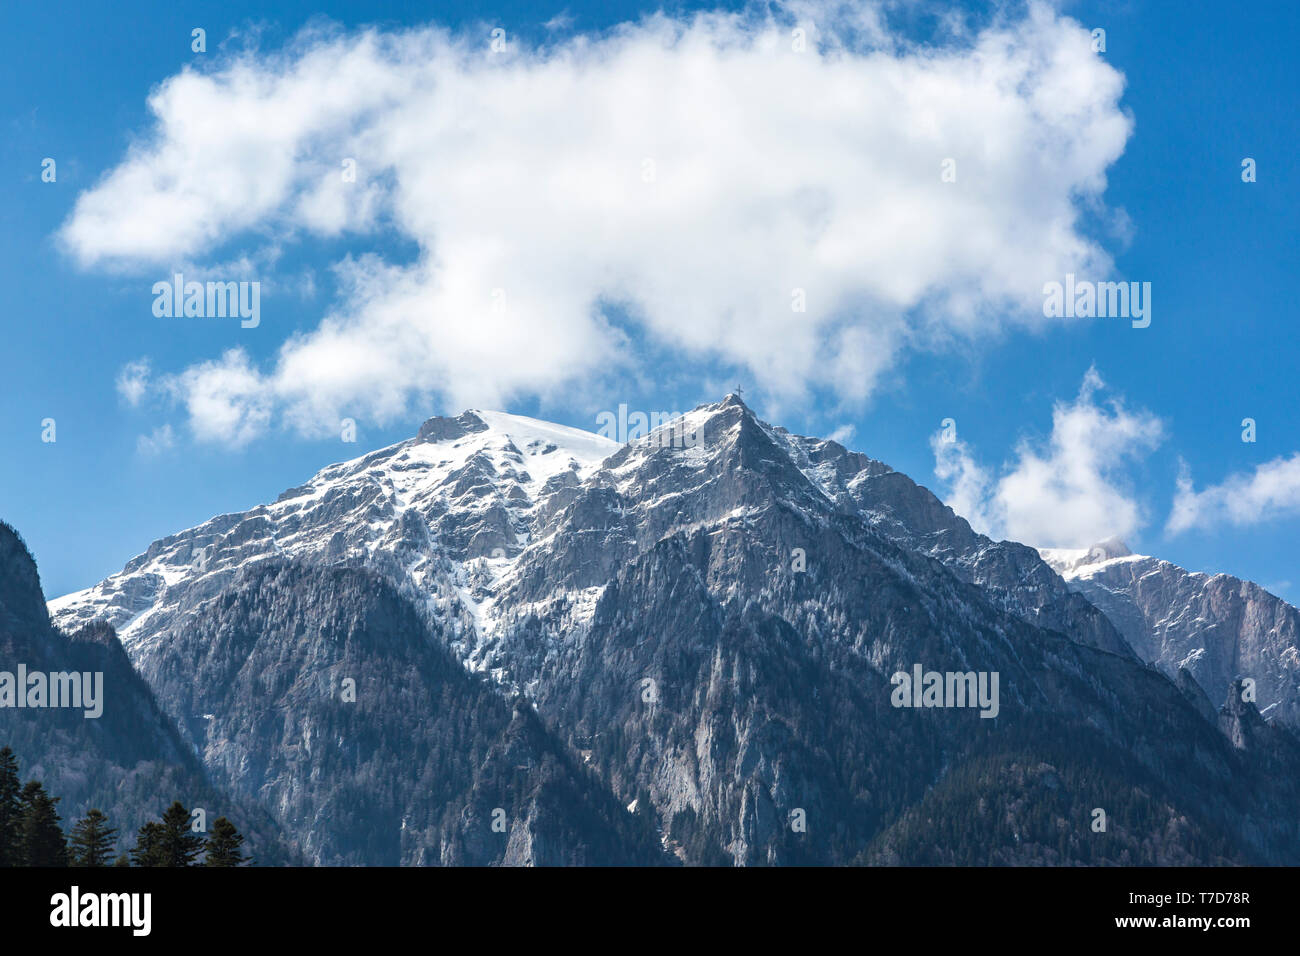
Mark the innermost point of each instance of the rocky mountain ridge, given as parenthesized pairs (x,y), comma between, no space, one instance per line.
(1219,628)
(706,629)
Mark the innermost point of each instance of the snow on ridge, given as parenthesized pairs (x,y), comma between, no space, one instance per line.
(366,498)
(57,604)
(1071,563)
(533,437)
(578,442)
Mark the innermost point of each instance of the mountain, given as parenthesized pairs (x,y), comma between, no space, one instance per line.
(1219,628)
(770,686)
(702,632)
(1012,575)
(321,692)
(128,760)
(441,515)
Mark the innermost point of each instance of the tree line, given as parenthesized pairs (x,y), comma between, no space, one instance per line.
(31,835)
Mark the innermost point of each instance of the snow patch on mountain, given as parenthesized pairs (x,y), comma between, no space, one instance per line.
(1072,563)
(461,491)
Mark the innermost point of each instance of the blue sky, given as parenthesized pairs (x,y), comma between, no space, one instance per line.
(1203,88)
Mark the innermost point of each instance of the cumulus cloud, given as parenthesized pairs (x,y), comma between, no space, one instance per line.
(689,184)
(1071,493)
(1270,492)
(226,398)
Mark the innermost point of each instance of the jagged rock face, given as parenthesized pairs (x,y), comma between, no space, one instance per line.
(129,762)
(621,514)
(22,607)
(320,692)
(419,511)
(1012,575)
(734,692)
(1195,695)
(1239,721)
(1219,628)
(708,630)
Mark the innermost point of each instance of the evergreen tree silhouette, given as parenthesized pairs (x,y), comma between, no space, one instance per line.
(10,808)
(224,845)
(40,840)
(92,841)
(148,846)
(179,846)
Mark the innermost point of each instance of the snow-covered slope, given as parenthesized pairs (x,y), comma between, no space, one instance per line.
(460,519)
(446,515)
(423,510)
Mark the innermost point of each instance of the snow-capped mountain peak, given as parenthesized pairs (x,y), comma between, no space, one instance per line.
(1075,562)
(468,483)
(709,611)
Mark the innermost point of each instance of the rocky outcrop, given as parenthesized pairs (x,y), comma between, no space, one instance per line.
(1218,628)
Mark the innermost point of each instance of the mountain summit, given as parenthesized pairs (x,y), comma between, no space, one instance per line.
(705,631)
(1070,562)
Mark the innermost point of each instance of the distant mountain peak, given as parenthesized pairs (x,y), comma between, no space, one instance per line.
(439,429)
(1216,626)
(1070,562)
(1110,548)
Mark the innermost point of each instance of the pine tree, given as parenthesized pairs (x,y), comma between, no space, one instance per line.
(92,841)
(224,845)
(10,808)
(179,846)
(148,846)
(40,840)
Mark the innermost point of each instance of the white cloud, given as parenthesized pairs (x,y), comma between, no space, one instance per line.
(133,381)
(967,482)
(1071,493)
(693,170)
(1270,492)
(226,399)
(159,440)
(843,434)
(561,21)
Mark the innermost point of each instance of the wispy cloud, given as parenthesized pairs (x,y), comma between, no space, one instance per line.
(843,434)
(226,399)
(967,482)
(1270,492)
(159,440)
